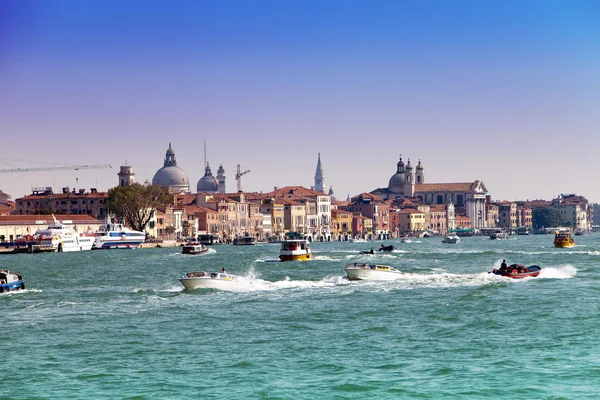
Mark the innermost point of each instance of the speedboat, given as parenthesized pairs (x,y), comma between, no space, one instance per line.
(563,239)
(359,272)
(357,240)
(294,248)
(405,239)
(117,236)
(391,247)
(10,281)
(194,248)
(451,238)
(212,280)
(518,271)
(61,238)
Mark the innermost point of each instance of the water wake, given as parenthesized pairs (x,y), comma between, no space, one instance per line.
(561,272)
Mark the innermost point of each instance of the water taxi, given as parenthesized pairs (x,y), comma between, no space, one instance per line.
(563,239)
(10,281)
(193,248)
(295,248)
(499,234)
(212,280)
(360,271)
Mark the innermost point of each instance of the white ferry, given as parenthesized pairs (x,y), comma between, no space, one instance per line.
(117,236)
(62,238)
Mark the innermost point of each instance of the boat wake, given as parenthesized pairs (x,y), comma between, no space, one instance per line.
(562,272)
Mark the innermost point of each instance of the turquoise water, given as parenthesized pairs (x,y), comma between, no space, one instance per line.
(117,324)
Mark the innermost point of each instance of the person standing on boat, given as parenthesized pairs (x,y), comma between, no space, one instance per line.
(503,266)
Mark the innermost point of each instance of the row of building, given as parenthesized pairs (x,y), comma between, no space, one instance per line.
(408,205)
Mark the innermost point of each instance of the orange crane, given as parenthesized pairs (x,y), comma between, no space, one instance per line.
(238,177)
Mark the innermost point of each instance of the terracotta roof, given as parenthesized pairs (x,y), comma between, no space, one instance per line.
(70,195)
(194,209)
(336,211)
(366,196)
(466,187)
(6,208)
(47,219)
(410,211)
(297,190)
(437,208)
(187,199)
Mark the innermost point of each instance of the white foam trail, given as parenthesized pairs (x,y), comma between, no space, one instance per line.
(562,272)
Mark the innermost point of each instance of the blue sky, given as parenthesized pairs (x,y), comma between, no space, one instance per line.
(506,92)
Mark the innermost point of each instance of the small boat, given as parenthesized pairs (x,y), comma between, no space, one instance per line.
(357,240)
(405,239)
(10,281)
(391,247)
(563,239)
(517,271)
(194,248)
(359,271)
(451,238)
(244,241)
(212,280)
(579,233)
(499,234)
(367,252)
(295,247)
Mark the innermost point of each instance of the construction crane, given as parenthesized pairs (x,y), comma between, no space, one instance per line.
(61,168)
(238,177)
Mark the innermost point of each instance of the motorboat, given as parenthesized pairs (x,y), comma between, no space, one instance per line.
(212,280)
(451,238)
(360,271)
(10,281)
(499,234)
(194,248)
(244,241)
(563,239)
(117,236)
(357,240)
(391,247)
(405,239)
(60,237)
(367,252)
(295,247)
(518,271)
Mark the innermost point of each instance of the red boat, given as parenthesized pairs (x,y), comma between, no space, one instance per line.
(517,271)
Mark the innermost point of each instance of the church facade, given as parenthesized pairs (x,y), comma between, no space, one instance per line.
(468,198)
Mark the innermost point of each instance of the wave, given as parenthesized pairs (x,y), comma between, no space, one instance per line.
(561,272)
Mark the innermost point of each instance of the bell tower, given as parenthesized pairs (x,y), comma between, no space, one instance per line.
(126,175)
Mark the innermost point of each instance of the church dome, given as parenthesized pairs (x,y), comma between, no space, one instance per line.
(208,183)
(397,181)
(170,175)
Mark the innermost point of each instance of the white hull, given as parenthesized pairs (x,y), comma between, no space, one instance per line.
(117,236)
(365,272)
(218,281)
(62,238)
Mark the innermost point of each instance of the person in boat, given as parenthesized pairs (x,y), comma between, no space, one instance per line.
(223,270)
(503,266)
(371,252)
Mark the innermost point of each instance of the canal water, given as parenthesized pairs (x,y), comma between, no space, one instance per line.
(118,324)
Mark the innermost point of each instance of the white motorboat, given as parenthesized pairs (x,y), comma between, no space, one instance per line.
(375,272)
(405,239)
(213,280)
(117,236)
(451,238)
(357,240)
(62,238)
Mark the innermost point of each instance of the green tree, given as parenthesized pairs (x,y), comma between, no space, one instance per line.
(136,203)
(545,217)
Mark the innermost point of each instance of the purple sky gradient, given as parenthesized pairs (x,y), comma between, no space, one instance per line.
(506,92)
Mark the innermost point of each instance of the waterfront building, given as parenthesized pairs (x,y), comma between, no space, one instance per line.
(574,211)
(45,201)
(319,177)
(468,198)
(410,220)
(372,207)
(507,215)
(170,176)
(273,208)
(126,175)
(341,224)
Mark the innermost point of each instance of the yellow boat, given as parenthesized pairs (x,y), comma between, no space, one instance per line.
(563,239)
(295,248)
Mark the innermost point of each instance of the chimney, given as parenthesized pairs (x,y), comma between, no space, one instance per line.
(65,190)
(93,190)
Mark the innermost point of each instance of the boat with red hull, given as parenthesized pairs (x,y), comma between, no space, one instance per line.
(517,271)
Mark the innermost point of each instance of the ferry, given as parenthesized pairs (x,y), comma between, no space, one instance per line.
(295,247)
(117,236)
(563,239)
(244,241)
(60,237)
(10,281)
(359,272)
(194,248)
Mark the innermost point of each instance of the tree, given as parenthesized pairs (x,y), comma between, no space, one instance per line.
(136,203)
(545,217)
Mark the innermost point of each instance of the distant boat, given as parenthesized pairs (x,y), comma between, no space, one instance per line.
(117,236)
(499,234)
(193,248)
(295,247)
(244,241)
(563,239)
(62,238)
(10,281)
(451,238)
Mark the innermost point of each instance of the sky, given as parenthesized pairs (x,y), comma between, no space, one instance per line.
(506,92)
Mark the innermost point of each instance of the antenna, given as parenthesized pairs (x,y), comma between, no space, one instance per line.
(204,153)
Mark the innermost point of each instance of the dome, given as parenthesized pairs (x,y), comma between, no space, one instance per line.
(170,175)
(208,183)
(419,165)
(396,184)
